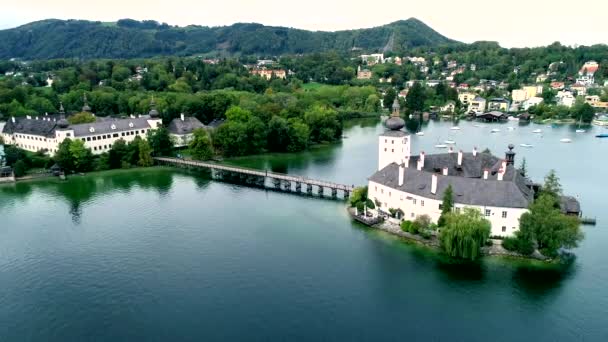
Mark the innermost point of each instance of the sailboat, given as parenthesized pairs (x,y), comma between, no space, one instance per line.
(566,140)
(455,128)
(450,142)
(421,133)
(495,130)
(537,131)
(579,130)
(526,145)
(441,146)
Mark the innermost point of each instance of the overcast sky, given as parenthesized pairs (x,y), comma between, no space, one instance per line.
(513,23)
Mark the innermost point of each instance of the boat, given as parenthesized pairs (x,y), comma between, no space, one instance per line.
(603,135)
(526,145)
(450,142)
(566,140)
(441,146)
(580,131)
(511,128)
(512,118)
(495,130)
(455,128)
(420,133)
(537,131)
(476,125)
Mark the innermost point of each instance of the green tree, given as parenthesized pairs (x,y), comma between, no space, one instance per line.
(82,157)
(278,134)
(552,186)
(299,135)
(523,169)
(20,168)
(200,146)
(63,156)
(359,195)
(546,226)
(145,154)
(82,117)
(585,113)
(160,142)
(447,205)
(117,154)
(464,234)
(415,98)
(389,98)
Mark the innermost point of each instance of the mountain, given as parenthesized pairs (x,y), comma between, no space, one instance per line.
(129,38)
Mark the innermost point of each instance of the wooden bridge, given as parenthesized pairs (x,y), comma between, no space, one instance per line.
(262,178)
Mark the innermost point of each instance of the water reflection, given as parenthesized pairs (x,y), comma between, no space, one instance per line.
(77,191)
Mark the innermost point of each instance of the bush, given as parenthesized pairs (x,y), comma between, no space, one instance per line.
(415,227)
(426,233)
(423,222)
(519,245)
(405,226)
(370,204)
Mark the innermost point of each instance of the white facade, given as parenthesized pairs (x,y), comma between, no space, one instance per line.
(505,221)
(531,102)
(393,149)
(98,142)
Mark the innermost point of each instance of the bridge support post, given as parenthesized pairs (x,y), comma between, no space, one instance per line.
(287,186)
(334,192)
(298,187)
(346,194)
(309,189)
(276,183)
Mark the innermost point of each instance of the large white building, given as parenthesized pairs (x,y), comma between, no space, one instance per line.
(46,132)
(416,184)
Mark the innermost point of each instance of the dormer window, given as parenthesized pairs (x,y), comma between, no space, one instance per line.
(131,124)
(113,126)
(92,129)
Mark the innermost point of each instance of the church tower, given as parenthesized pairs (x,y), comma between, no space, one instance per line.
(394,144)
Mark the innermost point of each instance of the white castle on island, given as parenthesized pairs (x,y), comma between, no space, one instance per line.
(414,185)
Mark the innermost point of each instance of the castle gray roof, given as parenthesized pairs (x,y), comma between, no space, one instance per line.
(467,182)
(394,134)
(105,126)
(44,126)
(186,126)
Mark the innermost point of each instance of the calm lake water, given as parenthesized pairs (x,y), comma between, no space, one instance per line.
(157,254)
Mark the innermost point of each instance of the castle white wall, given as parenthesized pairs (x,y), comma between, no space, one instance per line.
(505,221)
(393,150)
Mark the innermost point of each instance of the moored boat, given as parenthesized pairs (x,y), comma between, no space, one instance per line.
(441,146)
(526,145)
(566,140)
(495,130)
(603,135)
(450,142)
(537,131)
(420,134)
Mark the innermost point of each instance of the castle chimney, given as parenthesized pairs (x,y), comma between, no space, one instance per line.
(434,184)
(181,116)
(422,158)
(445,171)
(401,174)
(501,173)
(504,165)
(460,158)
(474,151)
(406,163)
(486,173)
(13,119)
(510,155)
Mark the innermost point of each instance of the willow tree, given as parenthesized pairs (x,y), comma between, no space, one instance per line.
(464,234)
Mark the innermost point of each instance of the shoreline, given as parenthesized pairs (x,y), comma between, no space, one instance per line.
(496,250)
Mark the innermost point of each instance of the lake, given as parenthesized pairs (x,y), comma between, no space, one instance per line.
(160,254)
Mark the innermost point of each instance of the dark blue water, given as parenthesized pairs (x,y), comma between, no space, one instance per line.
(161,255)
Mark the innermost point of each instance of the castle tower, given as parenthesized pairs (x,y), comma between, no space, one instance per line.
(394,143)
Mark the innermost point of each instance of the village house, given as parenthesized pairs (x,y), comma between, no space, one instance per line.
(466,97)
(46,132)
(182,129)
(580,89)
(565,98)
(477,105)
(373,59)
(531,102)
(269,73)
(519,95)
(557,85)
(589,68)
(498,104)
(541,78)
(363,74)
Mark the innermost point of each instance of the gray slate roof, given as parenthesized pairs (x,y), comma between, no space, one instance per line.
(104,126)
(186,126)
(467,183)
(32,126)
(394,134)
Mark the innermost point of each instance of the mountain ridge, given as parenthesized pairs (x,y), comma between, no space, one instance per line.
(128,38)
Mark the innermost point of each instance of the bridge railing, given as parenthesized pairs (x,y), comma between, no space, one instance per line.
(256,172)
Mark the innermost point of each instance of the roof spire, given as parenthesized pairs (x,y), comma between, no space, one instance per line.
(85,107)
(61,109)
(153,112)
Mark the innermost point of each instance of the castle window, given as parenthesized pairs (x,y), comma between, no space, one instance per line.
(68,134)
(115,135)
(414,201)
(88,138)
(392,141)
(504,214)
(488,212)
(504,229)
(381,191)
(422,203)
(389,194)
(385,150)
(393,150)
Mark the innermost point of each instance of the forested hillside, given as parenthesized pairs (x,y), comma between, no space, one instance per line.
(132,39)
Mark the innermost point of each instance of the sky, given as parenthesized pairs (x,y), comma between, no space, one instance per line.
(512,23)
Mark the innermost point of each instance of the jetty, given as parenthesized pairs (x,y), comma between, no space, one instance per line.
(264,178)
